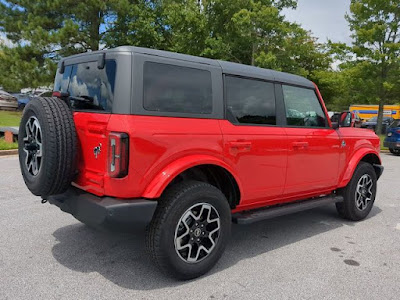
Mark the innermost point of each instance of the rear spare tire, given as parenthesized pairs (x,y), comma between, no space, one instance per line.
(47,146)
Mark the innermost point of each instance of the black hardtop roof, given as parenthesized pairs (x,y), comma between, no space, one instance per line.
(227,67)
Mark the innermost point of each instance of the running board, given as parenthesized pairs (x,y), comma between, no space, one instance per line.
(249,217)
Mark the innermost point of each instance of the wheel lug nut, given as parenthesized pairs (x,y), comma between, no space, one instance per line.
(198,240)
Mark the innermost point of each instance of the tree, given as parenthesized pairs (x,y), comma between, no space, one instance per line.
(376,32)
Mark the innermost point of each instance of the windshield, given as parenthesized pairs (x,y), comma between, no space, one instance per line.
(396,123)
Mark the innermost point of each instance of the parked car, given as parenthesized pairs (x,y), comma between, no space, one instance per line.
(371,123)
(392,140)
(7,101)
(184,145)
(22,100)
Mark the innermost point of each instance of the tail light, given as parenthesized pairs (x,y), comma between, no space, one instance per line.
(398,131)
(118,159)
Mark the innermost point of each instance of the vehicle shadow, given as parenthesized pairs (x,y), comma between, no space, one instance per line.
(122,258)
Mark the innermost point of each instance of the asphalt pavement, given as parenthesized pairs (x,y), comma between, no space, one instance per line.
(47,254)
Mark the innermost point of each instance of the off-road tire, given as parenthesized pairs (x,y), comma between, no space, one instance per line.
(58,145)
(160,235)
(348,208)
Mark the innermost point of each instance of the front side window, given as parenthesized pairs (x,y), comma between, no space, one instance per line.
(171,88)
(303,107)
(250,101)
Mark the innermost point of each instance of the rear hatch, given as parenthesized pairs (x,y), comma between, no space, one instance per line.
(90,91)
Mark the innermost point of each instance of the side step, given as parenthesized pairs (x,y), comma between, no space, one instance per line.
(249,217)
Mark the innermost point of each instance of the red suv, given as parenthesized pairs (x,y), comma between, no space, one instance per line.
(186,145)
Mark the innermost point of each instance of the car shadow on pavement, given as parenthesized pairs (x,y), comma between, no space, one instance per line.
(122,258)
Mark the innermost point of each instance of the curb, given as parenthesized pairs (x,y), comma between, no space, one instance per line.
(8,152)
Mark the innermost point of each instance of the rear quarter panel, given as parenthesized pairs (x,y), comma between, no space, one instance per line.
(156,143)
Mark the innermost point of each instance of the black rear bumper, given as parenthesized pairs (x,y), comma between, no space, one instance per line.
(105,212)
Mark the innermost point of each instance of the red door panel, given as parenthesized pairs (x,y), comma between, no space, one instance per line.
(259,154)
(313,160)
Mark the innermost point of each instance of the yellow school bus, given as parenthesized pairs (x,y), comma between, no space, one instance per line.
(366,112)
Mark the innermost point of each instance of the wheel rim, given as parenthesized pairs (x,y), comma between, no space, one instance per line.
(33,146)
(363,193)
(197,233)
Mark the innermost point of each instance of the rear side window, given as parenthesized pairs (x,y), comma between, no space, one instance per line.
(89,87)
(250,101)
(303,107)
(170,88)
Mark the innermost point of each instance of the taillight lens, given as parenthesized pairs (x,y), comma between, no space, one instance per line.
(118,154)
(398,131)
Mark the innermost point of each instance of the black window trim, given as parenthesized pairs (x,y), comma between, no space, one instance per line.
(319,101)
(278,109)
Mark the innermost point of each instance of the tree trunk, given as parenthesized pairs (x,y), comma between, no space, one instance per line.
(95,31)
(378,128)
(382,98)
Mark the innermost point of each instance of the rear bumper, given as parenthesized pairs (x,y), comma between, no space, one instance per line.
(105,212)
(392,145)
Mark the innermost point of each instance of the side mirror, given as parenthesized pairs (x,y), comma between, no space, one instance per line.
(335,125)
(346,119)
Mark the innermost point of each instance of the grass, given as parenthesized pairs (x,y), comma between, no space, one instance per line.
(7,146)
(382,137)
(10,118)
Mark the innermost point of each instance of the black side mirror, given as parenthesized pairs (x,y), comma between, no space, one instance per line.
(62,68)
(101,62)
(335,125)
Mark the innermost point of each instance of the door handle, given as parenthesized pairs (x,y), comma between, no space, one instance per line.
(300,145)
(240,146)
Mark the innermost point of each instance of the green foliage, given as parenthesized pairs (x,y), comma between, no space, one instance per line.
(245,31)
(376,32)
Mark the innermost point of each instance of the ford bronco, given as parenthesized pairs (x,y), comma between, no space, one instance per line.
(187,145)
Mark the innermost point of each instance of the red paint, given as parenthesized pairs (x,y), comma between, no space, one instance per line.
(270,164)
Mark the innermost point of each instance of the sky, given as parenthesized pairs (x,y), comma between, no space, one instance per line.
(324,18)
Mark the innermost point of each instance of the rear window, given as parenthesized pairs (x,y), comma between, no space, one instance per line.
(89,87)
(170,88)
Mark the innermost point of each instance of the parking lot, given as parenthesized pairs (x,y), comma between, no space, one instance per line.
(47,254)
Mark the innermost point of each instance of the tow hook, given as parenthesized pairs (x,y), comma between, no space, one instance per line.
(44,200)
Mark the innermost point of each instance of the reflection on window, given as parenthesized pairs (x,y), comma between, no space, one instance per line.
(169,88)
(250,101)
(303,107)
(88,86)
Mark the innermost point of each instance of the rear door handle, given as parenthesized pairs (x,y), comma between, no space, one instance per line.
(300,145)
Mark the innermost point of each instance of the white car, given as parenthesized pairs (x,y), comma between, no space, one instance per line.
(7,101)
